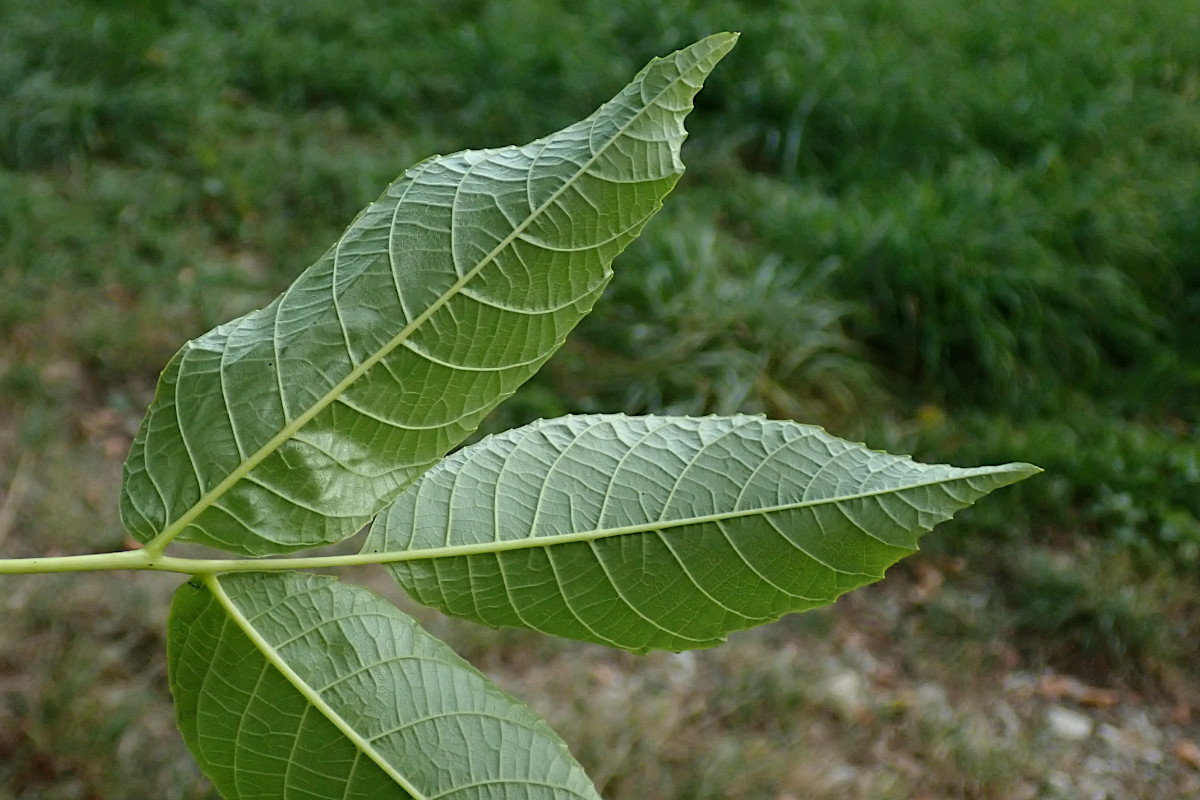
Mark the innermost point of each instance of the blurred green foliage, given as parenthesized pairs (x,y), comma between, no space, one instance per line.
(967,231)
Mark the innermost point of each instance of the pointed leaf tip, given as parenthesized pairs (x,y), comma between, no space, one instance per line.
(1021,470)
(1015,472)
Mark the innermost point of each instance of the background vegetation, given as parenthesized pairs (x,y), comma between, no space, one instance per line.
(970,232)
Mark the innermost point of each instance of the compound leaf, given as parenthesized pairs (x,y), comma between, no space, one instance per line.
(297,686)
(662,533)
(293,425)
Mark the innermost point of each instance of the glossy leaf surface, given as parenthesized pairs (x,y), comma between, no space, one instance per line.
(293,425)
(662,533)
(297,686)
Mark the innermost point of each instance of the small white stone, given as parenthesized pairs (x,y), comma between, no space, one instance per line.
(1068,724)
(1114,737)
(1062,784)
(841,775)
(848,692)
(933,703)
(1151,755)
(1020,682)
(681,669)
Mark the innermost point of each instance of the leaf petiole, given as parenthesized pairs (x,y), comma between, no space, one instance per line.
(147,560)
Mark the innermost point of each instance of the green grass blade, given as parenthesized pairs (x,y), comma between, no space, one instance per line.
(291,426)
(291,685)
(663,533)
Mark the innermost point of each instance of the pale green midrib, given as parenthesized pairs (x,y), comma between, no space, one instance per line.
(146,560)
(680,522)
(273,658)
(160,541)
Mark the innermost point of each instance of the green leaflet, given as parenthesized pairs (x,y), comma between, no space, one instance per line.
(662,533)
(293,425)
(289,685)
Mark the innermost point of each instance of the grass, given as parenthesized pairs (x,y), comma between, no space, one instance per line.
(970,234)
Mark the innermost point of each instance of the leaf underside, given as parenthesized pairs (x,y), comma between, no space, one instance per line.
(293,425)
(662,533)
(296,686)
